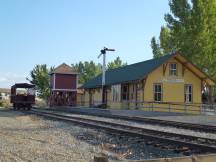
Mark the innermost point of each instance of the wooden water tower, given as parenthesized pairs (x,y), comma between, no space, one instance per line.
(64,81)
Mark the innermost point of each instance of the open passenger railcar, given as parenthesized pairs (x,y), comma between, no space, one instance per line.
(24,99)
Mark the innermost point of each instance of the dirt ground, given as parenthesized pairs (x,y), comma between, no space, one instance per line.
(29,138)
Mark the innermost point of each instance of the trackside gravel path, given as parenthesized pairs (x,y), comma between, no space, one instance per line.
(28,138)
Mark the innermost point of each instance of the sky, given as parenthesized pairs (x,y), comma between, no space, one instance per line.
(55,31)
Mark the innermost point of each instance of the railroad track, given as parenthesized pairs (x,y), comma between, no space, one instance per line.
(167,138)
(191,126)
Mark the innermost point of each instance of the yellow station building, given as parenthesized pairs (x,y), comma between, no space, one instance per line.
(170,83)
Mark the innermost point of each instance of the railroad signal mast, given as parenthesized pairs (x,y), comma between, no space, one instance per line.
(103,52)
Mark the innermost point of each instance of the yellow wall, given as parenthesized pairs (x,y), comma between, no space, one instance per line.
(97,96)
(80,99)
(172,92)
(86,98)
(111,103)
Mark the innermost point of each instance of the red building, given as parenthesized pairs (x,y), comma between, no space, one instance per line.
(64,81)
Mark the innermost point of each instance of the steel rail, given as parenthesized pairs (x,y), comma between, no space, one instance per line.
(204,144)
(184,125)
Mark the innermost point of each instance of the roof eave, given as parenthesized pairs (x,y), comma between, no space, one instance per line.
(195,66)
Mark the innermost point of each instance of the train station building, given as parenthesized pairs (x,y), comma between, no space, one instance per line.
(169,83)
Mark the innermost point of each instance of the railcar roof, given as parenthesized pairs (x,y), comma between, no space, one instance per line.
(23,85)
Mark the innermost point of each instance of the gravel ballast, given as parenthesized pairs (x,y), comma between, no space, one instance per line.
(30,138)
(170,129)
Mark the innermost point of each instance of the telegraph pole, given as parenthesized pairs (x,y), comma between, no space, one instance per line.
(103,52)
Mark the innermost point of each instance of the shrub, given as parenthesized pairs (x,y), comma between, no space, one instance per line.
(40,103)
(5,103)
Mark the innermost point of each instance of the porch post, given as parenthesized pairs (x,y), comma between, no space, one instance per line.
(90,98)
(128,96)
(211,96)
(136,96)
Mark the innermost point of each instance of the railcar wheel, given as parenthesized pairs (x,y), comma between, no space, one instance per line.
(18,107)
(14,106)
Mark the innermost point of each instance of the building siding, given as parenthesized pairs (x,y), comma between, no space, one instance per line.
(65,81)
(173,91)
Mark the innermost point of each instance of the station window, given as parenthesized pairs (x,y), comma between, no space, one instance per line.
(125,94)
(173,69)
(157,92)
(116,91)
(188,93)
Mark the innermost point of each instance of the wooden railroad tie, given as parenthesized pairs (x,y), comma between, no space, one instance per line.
(101,157)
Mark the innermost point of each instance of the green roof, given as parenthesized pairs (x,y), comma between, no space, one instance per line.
(128,73)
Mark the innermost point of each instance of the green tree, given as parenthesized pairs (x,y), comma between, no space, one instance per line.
(116,63)
(40,77)
(87,70)
(165,38)
(191,28)
(156,50)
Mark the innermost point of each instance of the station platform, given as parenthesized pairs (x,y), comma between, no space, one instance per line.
(170,116)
